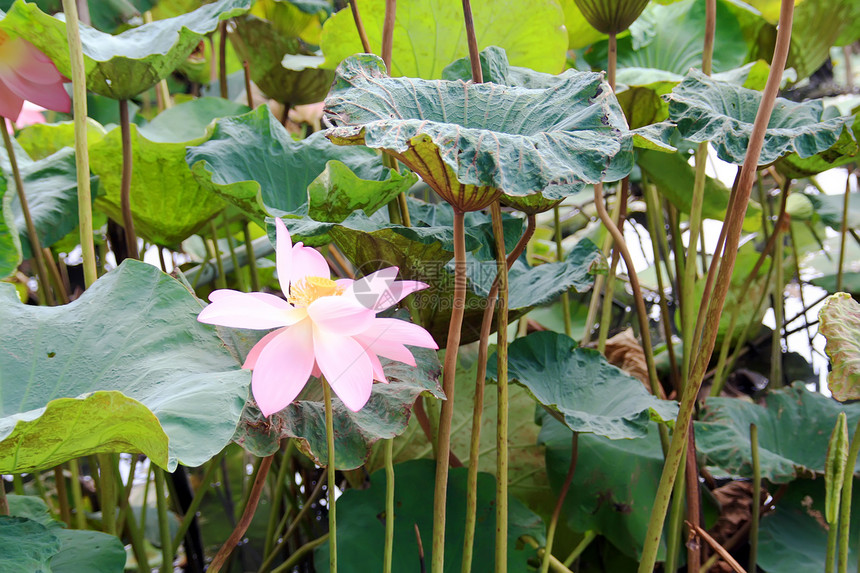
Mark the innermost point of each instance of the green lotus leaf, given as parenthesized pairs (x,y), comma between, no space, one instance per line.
(384,416)
(167,202)
(839,323)
(674,178)
(43,139)
(26,545)
(264,47)
(121,369)
(429,34)
(93,551)
(581,388)
(253,162)
(10,243)
(723,434)
(722,113)
(613,487)
(51,187)
(842,152)
(830,209)
(361,523)
(466,139)
(127,64)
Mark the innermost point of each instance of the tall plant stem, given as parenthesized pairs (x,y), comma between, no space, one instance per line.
(688,284)
(163,521)
(80,517)
(778,311)
(237,270)
(388,32)
(215,253)
(359,25)
(35,244)
(242,526)
(613,60)
(502,403)
(755,509)
(252,259)
(389,505)
(125,187)
(478,406)
(196,501)
(82,156)
(559,256)
(448,377)
(609,289)
(691,487)
(4,503)
(676,516)
(599,282)
(734,224)
(62,495)
(550,536)
(222,59)
(332,483)
(845,505)
(844,233)
(277,496)
(107,490)
(299,554)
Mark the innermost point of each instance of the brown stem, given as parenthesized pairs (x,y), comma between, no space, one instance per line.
(56,277)
(245,520)
(474,55)
(844,234)
(248,93)
(691,486)
(424,422)
(388,32)
(365,43)
(710,32)
(727,557)
(560,501)
(613,60)
(222,59)
(125,187)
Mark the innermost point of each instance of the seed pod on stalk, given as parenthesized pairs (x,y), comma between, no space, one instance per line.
(611,16)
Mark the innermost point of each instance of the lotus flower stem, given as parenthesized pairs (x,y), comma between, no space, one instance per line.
(449,370)
(478,407)
(35,244)
(202,488)
(559,256)
(845,506)
(734,224)
(125,188)
(756,499)
(843,233)
(388,32)
(389,505)
(550,536)
(248,514)
(332,483)
(163,521)
(362,34)
(609,290)
(252,259)
(82,156)
(222,59)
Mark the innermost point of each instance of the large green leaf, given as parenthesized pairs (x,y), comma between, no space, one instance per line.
(93,551)
(581,388)
(123,368)
(26,545)
(43,139)
(476,138)
(264,47)
(807,417)
(10,244)
(51,187)
(723,113)
(361,523)
(384,416)
(839,323)
(830,209)
(613,486)
(842,152)
(121,66)
(429,34)
(253,162)
(167,202)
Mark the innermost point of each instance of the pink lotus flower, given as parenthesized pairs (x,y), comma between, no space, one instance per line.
(325,327)
(28,74)
(30,114)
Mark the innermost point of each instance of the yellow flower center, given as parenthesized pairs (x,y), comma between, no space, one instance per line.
(308,289)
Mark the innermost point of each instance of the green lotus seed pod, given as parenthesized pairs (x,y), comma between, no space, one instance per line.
(611,16)
(529,204)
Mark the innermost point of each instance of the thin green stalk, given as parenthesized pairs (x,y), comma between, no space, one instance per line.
(550,536)
(389,505)
(82,156)
(502,402)
(756,499)
(277,495)
(125,492)
(215,253)
(556,565)
(56,279)
(107,489)
(845,505)
(143,507)
(80,516)
(587,538)
(446,416)
(559,256)
(609,292)
(300,553)
(237,270)
(599,282)
(125,184)
(332,482)
(35,245)
(163,522)
(778,312)
(62,495)
(243,523)
(135,533)
(688,285)
(17,484)
(734,225)
(676,522)
(843,233)
(252,260)
(196,501)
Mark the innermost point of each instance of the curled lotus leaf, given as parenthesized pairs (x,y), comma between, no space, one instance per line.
(840,324)
(127,64)
(707,109)
(470,142)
